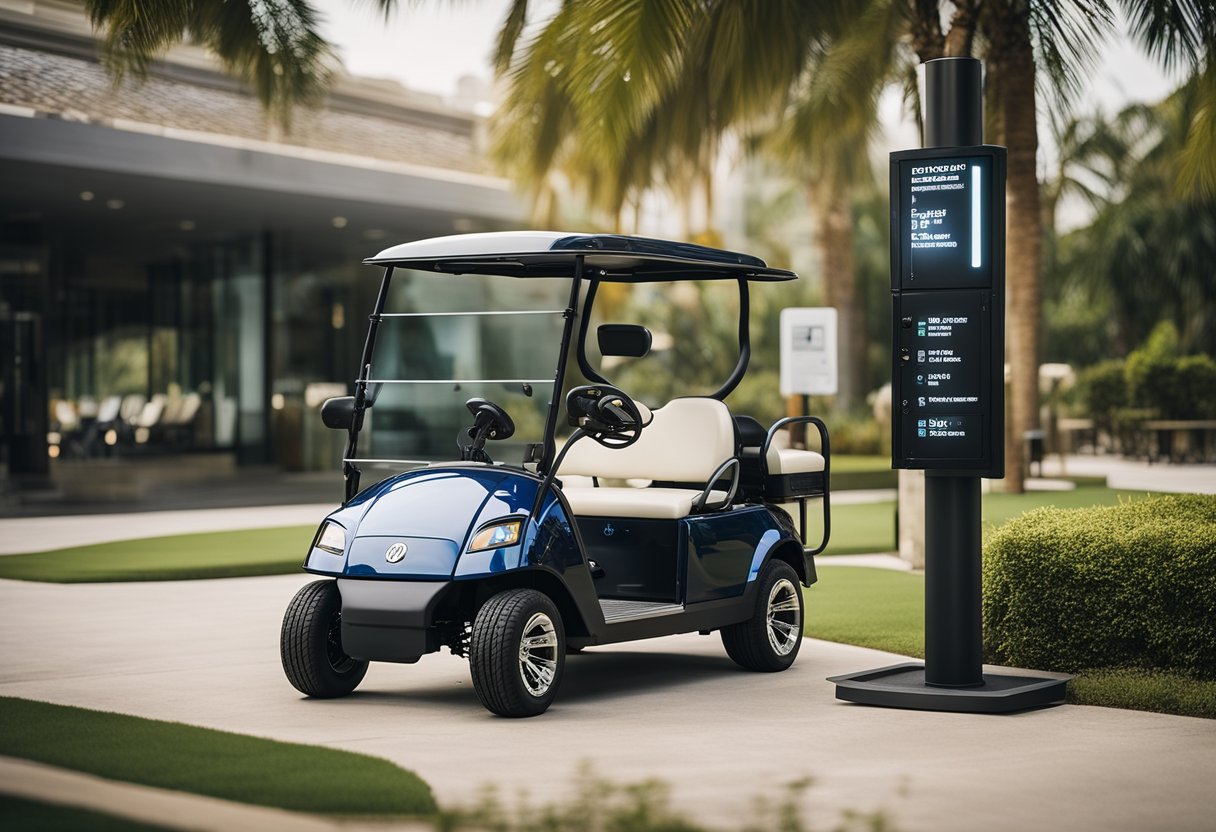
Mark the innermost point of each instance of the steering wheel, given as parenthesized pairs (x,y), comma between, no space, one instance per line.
(605,414)
(489,422)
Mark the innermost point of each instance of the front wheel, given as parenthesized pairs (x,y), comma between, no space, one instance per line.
(310,644)
(517,653)
(769,640)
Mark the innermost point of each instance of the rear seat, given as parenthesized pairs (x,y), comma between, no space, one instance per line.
(686,442)
(792,472)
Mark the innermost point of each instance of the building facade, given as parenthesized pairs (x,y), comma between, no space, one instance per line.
(180,276)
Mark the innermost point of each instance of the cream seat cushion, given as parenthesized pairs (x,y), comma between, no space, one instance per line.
(783,459)
(793,461)
(685,441)
(651,503)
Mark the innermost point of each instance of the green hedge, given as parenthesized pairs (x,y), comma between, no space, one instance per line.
(1156,381)
(1127,586)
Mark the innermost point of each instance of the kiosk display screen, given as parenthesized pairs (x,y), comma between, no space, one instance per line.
(946,222)
(943,380)
(947,292)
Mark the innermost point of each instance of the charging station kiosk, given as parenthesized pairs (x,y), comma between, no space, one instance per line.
(948,393)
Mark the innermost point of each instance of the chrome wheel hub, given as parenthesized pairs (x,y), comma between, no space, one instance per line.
(784,617)
(538,654)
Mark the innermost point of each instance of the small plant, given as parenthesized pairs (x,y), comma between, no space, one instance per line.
(597,804)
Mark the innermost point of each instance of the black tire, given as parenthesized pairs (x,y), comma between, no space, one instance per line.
(495,653)
(310,644)
(748,643)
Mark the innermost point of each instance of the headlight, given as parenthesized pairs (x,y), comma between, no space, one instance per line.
(496,535)
(332,539)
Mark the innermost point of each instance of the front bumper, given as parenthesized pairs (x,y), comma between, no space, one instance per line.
(389,621)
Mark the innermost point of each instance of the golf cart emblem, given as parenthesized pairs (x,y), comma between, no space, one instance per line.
(609,531)
(395,553)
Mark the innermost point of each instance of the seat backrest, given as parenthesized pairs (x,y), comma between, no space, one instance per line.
(686,441)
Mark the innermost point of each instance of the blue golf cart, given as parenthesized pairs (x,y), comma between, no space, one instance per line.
(623,522)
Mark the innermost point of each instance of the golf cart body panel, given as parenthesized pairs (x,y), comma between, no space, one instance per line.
(454,553)
(389,610)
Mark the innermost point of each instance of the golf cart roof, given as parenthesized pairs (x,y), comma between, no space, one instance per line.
(608,257)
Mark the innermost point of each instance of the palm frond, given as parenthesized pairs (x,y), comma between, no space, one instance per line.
(1174,32)
(272,45)
(625,54)
(509,35)
(1196,179)
(833,112)
(137,32)
(1067,36)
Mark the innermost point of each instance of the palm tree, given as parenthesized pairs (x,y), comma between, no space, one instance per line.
(604,86)
(1150,247)
(634,83)
(1054,40)
(823,140)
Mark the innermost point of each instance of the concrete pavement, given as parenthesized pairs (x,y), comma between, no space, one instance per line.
(1135,475)
(40,534)
(206,653)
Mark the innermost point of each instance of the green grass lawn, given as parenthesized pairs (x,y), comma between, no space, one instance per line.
(878,608)
(856,529)
(885,610)
(870,527)
(169,755)
(855,471)
(178,557)
(17,814)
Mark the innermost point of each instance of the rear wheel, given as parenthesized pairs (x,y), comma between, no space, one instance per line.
(769,640)
(310,644)
(517,653)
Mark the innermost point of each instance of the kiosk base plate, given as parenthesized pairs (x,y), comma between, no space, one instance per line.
(903,686)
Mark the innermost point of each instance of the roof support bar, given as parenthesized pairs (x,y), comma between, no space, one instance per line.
(559,376)
(350,472)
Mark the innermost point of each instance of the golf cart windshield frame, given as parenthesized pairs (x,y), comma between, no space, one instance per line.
(578,258)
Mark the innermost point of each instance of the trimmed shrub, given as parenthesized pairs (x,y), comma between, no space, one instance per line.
(1127,586)
(1195,380)
(1101,390)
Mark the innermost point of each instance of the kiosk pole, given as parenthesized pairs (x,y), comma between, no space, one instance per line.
(954,112)
(947,290)
(953,644)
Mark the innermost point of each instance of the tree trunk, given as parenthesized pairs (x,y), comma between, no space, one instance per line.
(834,239)
(1013,58)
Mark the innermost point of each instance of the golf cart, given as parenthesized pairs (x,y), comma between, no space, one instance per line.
(621,523)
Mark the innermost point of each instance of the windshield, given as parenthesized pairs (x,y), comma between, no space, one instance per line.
(444,339)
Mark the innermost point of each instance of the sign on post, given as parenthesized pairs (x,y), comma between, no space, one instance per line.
(948,296)
(808,351)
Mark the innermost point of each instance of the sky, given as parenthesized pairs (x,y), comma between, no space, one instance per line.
(430,45)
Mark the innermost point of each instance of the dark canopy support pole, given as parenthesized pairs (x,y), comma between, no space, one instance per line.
(559,376)
(745,344)
(350,472)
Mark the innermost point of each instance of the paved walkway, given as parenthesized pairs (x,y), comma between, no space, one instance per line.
(39,534)
(206,653)
(1135,475)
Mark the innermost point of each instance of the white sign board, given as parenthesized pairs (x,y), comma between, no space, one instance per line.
(808,351)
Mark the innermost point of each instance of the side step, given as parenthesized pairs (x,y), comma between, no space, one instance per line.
(616,611)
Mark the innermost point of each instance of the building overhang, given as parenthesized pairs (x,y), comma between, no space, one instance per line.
(243,165)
